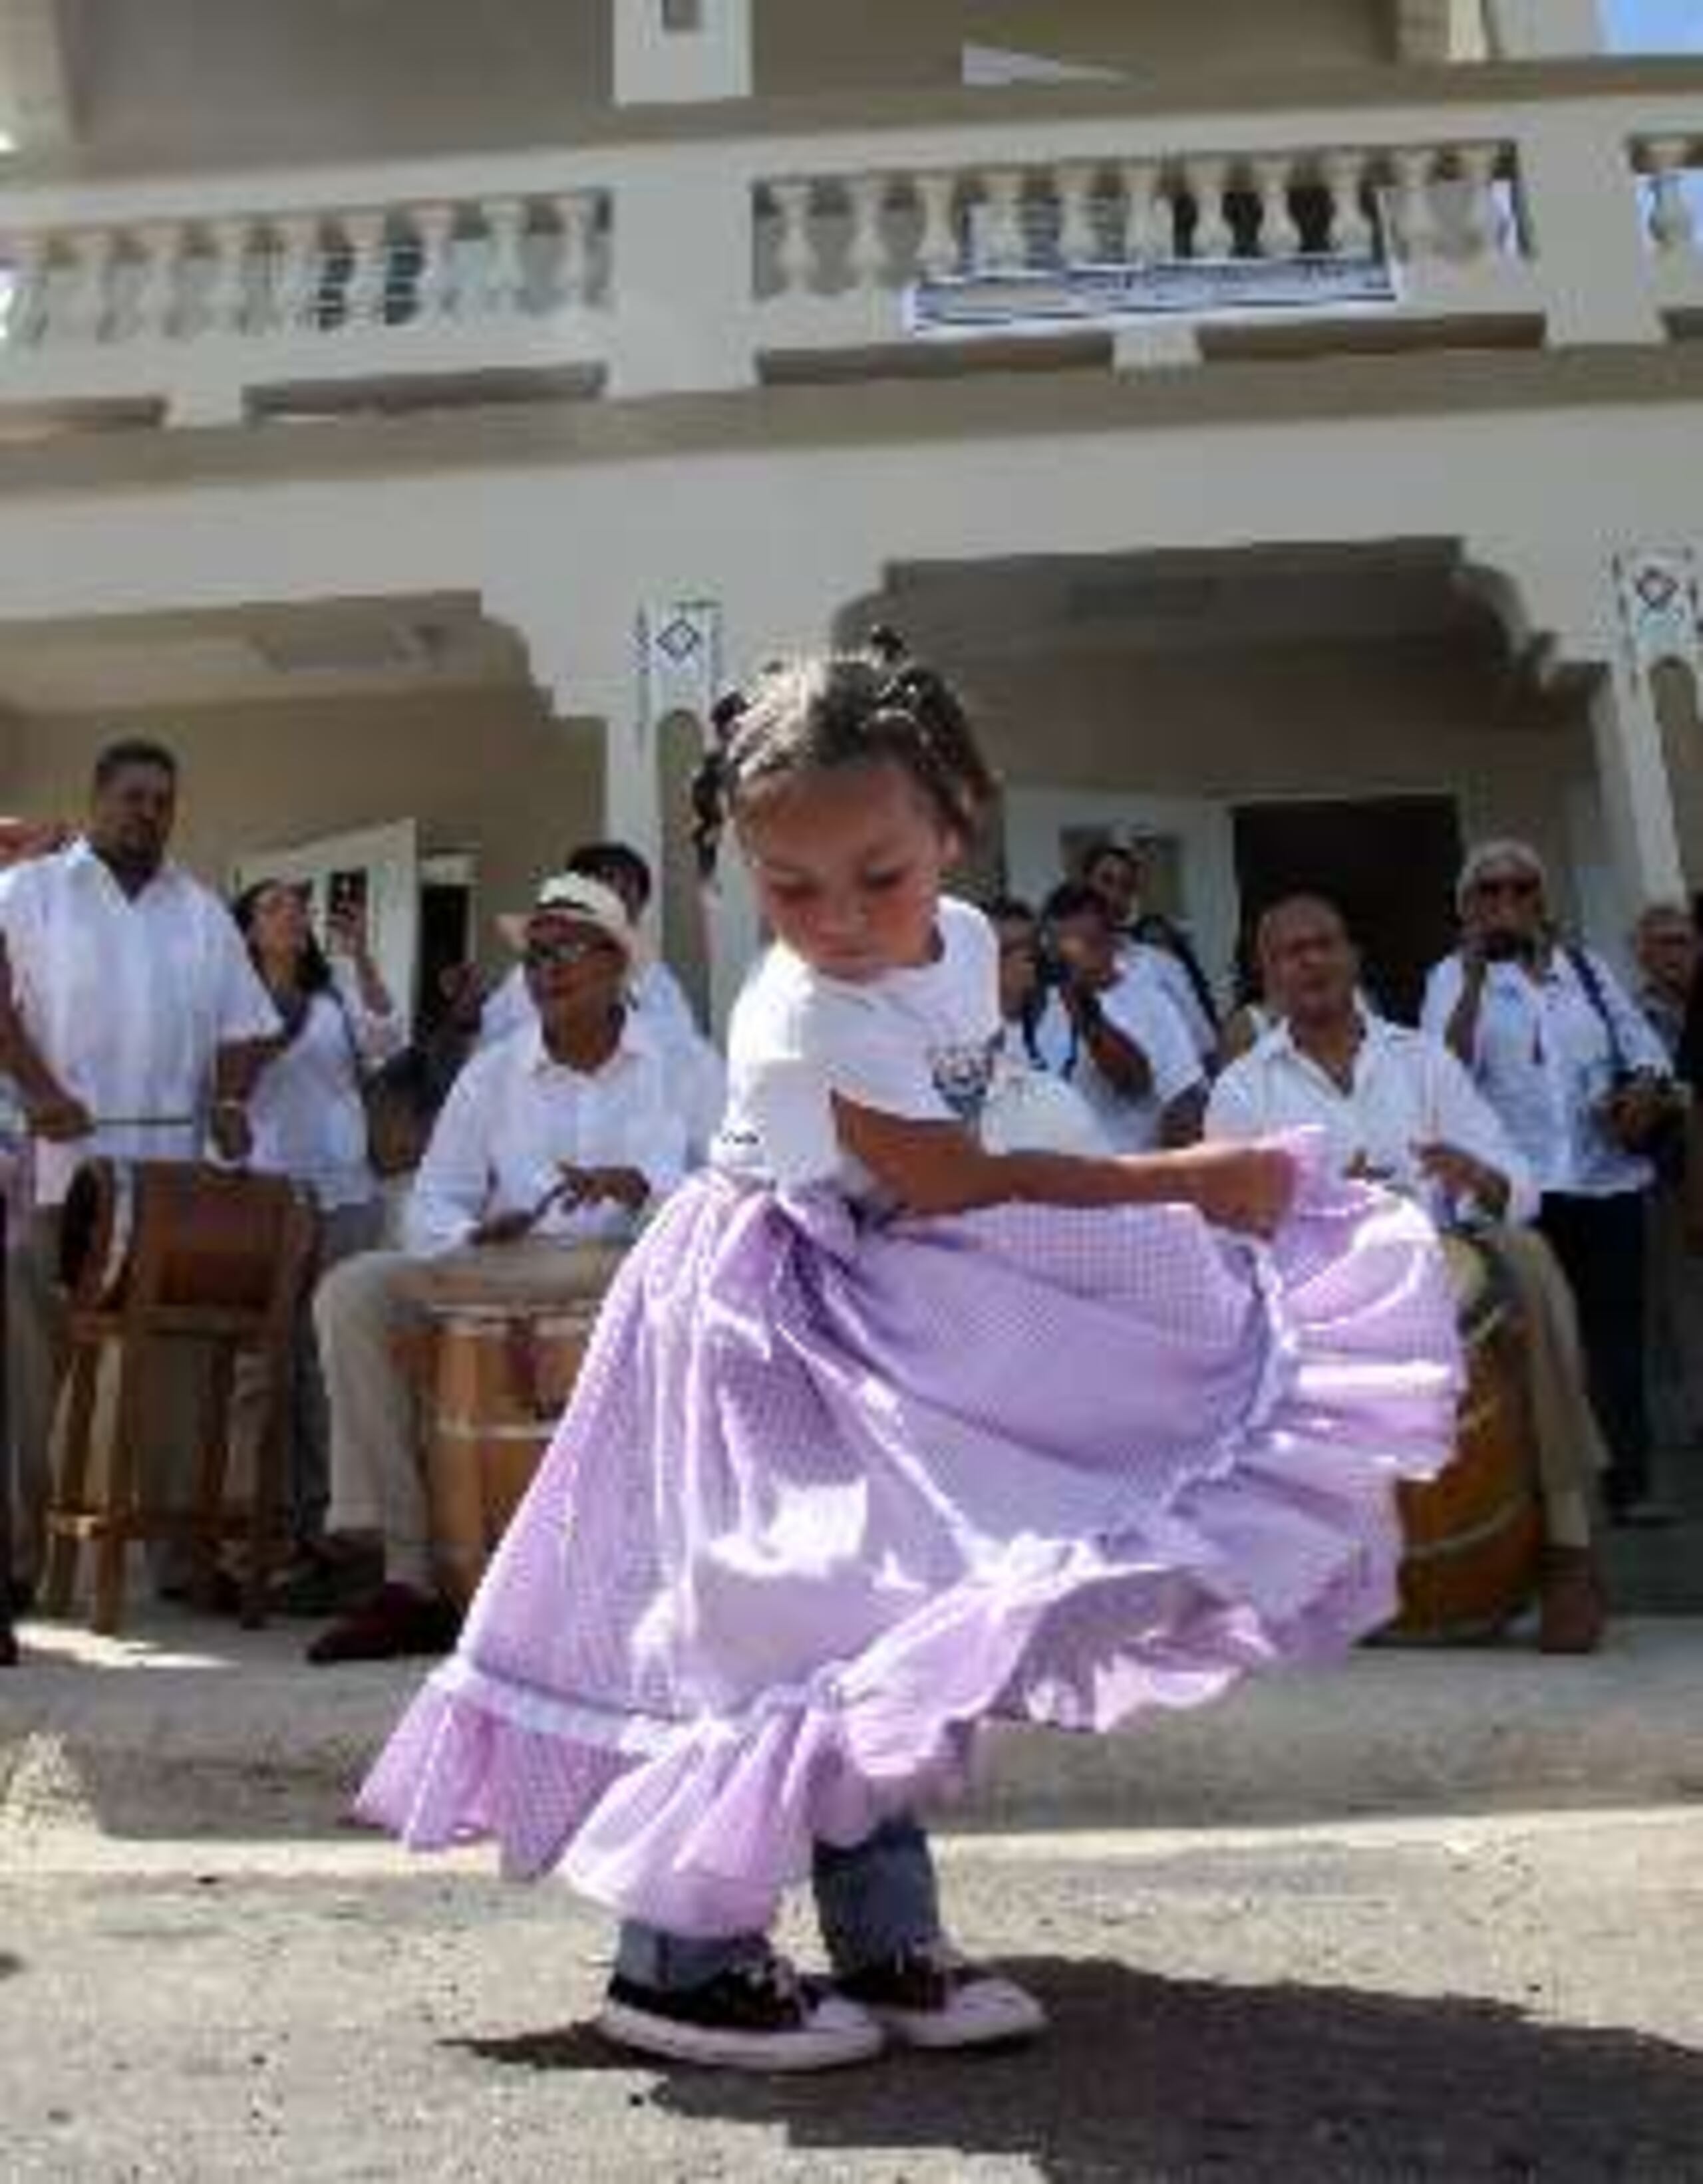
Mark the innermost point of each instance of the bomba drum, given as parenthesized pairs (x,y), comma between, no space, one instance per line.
(510,1326)
(1475,1534)
(210,1239)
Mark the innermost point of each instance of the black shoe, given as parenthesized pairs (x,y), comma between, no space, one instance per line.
(752,2017)
(396,1623)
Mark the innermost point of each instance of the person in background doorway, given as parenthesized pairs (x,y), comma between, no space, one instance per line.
(132,1024)
(1670,962)
(1116,874)
(307,1118)
(1111,1030)
(1583,1087)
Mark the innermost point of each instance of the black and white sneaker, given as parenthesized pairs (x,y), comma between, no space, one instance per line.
(761,2016)
(932,1996)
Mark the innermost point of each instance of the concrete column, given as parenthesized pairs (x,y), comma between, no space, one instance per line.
(682,52)
(685,307)
(1582,211)
(1544,29)
(1637,792)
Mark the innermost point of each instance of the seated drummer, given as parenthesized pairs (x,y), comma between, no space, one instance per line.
(568,1131)
(1398,1108)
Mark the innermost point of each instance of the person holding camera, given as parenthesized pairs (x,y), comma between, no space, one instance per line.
(1109,1027)
(1585,1090)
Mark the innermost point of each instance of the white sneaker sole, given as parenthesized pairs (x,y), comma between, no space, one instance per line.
(841,2034)
(989,2012)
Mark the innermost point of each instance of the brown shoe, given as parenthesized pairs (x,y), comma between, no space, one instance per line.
(1571,1617)
(395,1623)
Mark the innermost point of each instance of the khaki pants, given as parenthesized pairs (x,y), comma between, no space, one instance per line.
(365,1312)
(344,1232)
(1571,1452)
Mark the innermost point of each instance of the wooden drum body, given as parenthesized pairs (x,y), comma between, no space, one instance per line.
(195,1237)
(1474,1534)
(510,1326)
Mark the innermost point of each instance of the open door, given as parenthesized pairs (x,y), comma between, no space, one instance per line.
(378,868)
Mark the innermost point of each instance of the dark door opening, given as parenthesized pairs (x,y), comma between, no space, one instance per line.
(1389,863)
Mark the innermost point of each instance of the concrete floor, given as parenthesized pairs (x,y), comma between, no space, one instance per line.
(1498,1999)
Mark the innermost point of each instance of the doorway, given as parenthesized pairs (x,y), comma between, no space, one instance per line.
(1389,862)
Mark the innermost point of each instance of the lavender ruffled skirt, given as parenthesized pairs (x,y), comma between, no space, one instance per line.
(830,1494)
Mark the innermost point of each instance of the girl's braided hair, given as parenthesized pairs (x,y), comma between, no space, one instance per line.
(847,709)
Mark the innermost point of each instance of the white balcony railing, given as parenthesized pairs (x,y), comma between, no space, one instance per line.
(707,260)
(833,251)
(1670,171)
(197,310)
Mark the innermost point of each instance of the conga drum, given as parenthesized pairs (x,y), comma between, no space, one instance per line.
(1474,1534)
(510,1326)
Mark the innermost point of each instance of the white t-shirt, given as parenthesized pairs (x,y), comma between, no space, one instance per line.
(915,1043)
(1139,1006)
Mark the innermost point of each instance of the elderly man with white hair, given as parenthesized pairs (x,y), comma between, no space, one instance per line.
(1583,1087)
(566,1131)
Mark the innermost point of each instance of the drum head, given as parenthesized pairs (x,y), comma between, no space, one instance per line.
(526,1275)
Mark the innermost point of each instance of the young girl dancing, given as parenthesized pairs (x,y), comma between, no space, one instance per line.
(882,1435)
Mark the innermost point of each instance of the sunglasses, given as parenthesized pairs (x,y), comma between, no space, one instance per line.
(549,954)
(1519,887)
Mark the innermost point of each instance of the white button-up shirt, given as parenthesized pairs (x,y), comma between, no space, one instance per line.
(1545,1062)
(307,1114)
(1139,1006)
(515,1118)
(660,1001)
(127,999)
(1170,973)
(1407,1091)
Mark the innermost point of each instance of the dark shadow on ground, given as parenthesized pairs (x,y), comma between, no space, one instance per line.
(1148,2078)
(10,1966)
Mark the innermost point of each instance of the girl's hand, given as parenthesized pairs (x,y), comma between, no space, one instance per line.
(1248,1188)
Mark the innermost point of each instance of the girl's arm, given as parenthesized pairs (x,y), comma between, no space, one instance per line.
(939,1167)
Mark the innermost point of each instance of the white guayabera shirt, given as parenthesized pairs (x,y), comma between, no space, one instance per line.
(1408,1090)
(515,1117)
(1544,1061)
(127,999)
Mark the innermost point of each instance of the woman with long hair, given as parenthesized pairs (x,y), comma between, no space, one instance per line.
(309,1122)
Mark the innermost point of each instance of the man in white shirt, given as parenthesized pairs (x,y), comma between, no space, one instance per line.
(1112,1031)
(1397,1108)
(567,1131)
(132,1024)
(1580,1082)
(1116,875)
(655,993)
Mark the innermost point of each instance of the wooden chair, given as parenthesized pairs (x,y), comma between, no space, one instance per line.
(167,1299)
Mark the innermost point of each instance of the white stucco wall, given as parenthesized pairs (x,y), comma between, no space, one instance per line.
(481,770)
